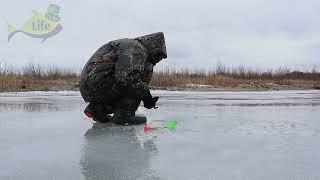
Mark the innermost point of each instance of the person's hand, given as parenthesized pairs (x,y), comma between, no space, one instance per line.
(151,103)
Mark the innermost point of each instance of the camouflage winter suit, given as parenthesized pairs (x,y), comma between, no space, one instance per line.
(116,77)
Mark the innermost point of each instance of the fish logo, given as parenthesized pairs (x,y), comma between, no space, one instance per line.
(39,25)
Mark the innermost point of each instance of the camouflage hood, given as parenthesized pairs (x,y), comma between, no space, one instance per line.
(156,46)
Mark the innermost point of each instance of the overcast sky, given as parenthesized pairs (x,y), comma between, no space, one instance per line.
(258,33)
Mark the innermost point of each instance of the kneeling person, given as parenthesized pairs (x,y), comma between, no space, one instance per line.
(115,79)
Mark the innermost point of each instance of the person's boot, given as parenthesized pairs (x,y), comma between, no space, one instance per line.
(138,119)
(98,113)
(123,117)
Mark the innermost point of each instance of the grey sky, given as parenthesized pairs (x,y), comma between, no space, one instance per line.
(263,33)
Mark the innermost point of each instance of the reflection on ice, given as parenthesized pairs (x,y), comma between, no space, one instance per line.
(117,153)
(39,101)
(28,107)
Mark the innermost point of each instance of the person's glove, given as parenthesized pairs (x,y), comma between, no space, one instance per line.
(150,103)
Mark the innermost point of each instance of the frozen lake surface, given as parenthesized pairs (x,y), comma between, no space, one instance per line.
(220,135)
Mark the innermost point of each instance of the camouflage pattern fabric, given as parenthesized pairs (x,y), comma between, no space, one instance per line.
(119,72)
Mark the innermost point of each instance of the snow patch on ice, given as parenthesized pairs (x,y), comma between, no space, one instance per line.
(198,85)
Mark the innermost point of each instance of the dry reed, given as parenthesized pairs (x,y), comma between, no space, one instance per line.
(15,79)
(32,75)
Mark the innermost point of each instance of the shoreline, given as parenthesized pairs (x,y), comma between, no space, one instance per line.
(194,88)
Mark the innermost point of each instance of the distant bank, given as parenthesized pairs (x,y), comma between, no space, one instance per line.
(53,78)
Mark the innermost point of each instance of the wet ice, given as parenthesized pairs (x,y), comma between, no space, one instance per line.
(220,135)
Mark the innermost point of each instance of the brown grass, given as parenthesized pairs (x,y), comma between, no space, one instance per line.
(240,77)
(34,77)
(39,77)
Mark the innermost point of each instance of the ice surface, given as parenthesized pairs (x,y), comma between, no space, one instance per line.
(220,135)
